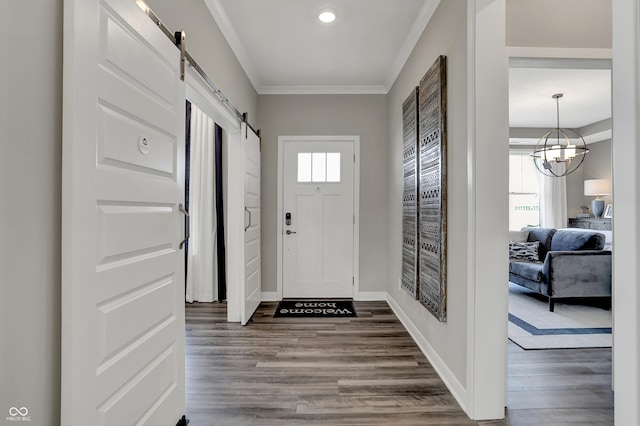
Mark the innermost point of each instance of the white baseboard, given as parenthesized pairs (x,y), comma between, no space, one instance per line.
(372,296)
(270,296)
(364,296)
(455,387)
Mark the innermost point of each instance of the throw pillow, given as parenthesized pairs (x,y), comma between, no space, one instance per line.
(523,251)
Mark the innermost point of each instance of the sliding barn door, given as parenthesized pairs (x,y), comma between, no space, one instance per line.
(123,174)
(252,288)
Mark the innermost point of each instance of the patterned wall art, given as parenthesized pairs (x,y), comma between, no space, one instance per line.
(409,280)
(432,175)
(424,198)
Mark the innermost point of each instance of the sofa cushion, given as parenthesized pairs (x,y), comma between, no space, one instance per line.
(529,270)
(523,251)
(544,235)
(571,241)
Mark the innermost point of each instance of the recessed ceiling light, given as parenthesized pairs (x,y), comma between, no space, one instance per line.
(327,16)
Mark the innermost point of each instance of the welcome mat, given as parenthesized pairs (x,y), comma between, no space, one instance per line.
(571,325)
(315,309)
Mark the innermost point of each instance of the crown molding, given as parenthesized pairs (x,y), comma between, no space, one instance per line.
(422,20)
(323,90)
(230,34)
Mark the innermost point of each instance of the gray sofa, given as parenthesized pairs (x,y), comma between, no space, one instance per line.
(570,264)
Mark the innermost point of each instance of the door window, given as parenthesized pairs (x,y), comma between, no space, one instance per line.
(318,167)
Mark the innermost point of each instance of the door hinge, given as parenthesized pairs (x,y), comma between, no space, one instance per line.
(354,219)
(353,281)
(354,158)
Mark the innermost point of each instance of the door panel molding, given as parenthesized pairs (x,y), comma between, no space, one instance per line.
(122,182)
(251,294)
(355,140)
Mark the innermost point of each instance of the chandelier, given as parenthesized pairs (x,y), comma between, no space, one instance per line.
(559,152)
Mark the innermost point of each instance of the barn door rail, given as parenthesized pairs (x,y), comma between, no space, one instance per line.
(178,38)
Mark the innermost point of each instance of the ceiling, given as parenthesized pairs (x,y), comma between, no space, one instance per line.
(285,49)
(586,96)
(585,105)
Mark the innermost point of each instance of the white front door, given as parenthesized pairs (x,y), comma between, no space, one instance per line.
(252,288)
(123,326)
(318,218)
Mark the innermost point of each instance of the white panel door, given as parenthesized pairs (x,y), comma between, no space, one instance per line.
(123,179)
(252,288)
(318,219)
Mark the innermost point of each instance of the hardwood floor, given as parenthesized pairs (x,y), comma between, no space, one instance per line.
(365,371)
(559,387)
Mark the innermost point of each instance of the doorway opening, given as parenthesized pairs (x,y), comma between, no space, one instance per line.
(235,220)
(587,326)
(205,260)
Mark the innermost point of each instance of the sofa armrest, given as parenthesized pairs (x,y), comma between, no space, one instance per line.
(581,273)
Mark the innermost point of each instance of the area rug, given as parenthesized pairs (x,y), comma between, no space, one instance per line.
(571,325)
(315,308)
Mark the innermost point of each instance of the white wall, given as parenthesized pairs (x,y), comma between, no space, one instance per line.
(559,23)
(626,224)
(469,350)
(309,115)
(30,183)
(445,35)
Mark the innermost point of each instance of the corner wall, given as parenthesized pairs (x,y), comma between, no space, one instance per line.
(446,34)
(30,185)
(469,351)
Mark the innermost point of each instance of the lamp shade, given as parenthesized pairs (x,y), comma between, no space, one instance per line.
(597,187)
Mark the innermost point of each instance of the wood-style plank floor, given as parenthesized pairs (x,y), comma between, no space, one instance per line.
(366,371)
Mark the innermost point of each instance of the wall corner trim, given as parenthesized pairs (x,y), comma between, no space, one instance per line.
(453,384)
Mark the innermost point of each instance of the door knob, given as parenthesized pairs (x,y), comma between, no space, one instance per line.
(288,232)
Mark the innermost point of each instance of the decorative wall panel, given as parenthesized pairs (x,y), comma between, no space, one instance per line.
(432,210)
(410,192)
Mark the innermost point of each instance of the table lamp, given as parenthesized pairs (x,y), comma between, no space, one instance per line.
(597,187)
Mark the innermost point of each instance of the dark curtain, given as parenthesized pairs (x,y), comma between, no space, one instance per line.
(187,174)
(222,272)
